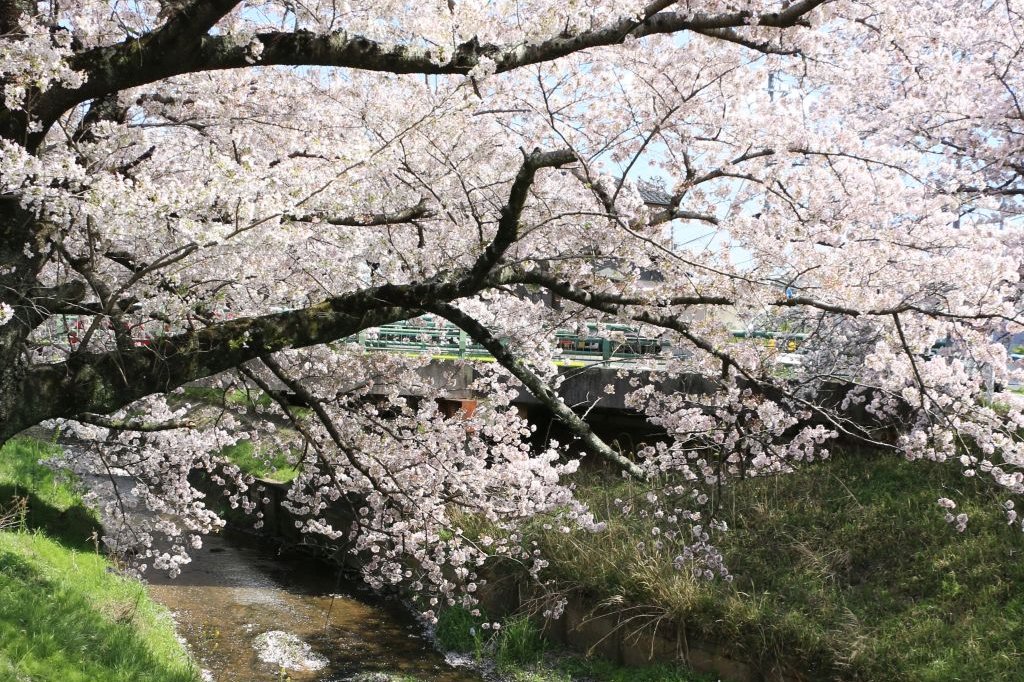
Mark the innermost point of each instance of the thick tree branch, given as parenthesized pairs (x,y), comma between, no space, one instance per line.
(512,211)
(182,46)
(537,387)
(104,382)
(110,69)
(420,210)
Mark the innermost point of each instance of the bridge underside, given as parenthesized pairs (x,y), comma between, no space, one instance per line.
(599,393)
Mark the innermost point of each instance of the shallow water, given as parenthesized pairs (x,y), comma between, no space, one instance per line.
(235,589)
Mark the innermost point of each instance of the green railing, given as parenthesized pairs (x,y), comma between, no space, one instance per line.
(426,334)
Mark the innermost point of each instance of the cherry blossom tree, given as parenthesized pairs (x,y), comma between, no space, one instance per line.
(229,191)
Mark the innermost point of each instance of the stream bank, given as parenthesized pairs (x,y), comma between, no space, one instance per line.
(66,615)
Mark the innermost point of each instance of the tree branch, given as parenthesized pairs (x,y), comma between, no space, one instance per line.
(595,299)
(104,382)
(130,425)
(766,388)
(314,403)
(537,387)
(512,211)
(183,46)
(420,210)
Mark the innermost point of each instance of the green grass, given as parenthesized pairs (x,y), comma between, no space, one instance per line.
(519,642)
(458,630)
(845,570)
(52,502)
(276,466)
(65,616)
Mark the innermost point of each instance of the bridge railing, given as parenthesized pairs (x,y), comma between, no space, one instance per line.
(446,339)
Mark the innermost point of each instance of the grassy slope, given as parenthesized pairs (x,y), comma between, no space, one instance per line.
(272,466)
(845,570)
(63,614)
(275,466)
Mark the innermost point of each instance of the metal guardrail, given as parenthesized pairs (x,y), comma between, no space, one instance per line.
(449,340)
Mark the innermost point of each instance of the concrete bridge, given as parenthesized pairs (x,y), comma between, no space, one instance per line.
(598,369)
(611,355)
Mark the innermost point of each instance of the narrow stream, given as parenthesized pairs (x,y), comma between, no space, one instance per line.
(236,590)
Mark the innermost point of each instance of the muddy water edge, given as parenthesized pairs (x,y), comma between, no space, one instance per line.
(237,588)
